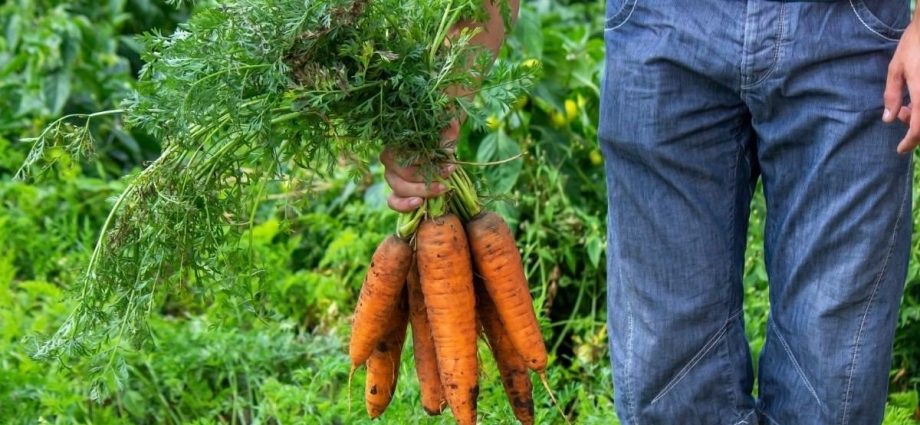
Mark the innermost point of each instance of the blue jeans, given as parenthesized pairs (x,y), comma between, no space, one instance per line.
(700,99)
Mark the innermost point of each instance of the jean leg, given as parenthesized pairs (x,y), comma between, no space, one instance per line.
(838,215)
(676,141)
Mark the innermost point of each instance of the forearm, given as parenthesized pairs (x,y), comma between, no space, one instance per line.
(493,29)
(492,34)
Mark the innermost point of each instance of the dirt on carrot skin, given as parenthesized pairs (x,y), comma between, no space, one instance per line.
(515,376)
(426,360)
(497,260)
(446,277)
(386,277)
(383,364)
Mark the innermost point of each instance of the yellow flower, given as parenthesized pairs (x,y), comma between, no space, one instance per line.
(493,122)
(558,119)
(596,157)
(571,110)
(531,63)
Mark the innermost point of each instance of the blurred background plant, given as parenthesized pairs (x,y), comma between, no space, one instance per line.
(279,356)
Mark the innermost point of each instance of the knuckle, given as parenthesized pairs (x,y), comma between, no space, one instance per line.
(405,173)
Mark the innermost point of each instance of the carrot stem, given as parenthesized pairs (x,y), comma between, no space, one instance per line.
(464,198)
(436,207)
(408,223)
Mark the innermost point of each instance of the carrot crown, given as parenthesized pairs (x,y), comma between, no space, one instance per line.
(407,223)
(463,199)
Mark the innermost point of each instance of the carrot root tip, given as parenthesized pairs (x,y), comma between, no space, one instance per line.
(351,374)
(552,396)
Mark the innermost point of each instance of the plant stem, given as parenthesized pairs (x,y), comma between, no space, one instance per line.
(464,197)
(408,223)
(436,207)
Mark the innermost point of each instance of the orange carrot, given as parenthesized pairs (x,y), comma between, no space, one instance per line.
(498,261)
(426,361)
(446,278)
(385,278)
(383,364)
(511,366)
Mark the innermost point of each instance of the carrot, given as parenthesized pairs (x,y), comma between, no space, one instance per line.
(385,278)
(426,361)
(498,261)
(511,366)
(447,284)
(383,364)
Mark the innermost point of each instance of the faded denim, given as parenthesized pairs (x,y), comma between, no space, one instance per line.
(700,99)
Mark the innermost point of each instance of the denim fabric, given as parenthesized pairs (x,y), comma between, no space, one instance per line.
(700,100)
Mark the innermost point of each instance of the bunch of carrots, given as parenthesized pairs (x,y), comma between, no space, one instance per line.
(452,272)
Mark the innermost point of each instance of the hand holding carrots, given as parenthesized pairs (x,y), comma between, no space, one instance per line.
(409,187)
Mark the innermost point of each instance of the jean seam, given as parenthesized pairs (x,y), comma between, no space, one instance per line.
(869,27)
(795,363)
(632,8)
(734,236)
(727,374)
(776,51)
(629,395)
(699,356)
(744,419)
(844,419)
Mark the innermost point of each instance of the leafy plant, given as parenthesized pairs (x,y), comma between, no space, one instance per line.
(282,338)
(245,96)
(62,57)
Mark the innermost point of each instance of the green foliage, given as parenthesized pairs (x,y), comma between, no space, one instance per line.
(903,409)
(247,97)
(61,57)
(273,349)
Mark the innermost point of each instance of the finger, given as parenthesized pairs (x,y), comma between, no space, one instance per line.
(405,205)
(912,138)
(406,189)
(408,173)
(446,170)
(904,115)
(894,91)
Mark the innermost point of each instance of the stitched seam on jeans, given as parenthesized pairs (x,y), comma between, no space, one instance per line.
(713,341)
(776,51)
(844,419)
(746,40)
(884,26)
(734,234)
(632,8)
(795,363)
(629,396)
(869,27)
(744,419)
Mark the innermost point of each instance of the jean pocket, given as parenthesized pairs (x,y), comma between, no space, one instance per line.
(884,18)
(618,13)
